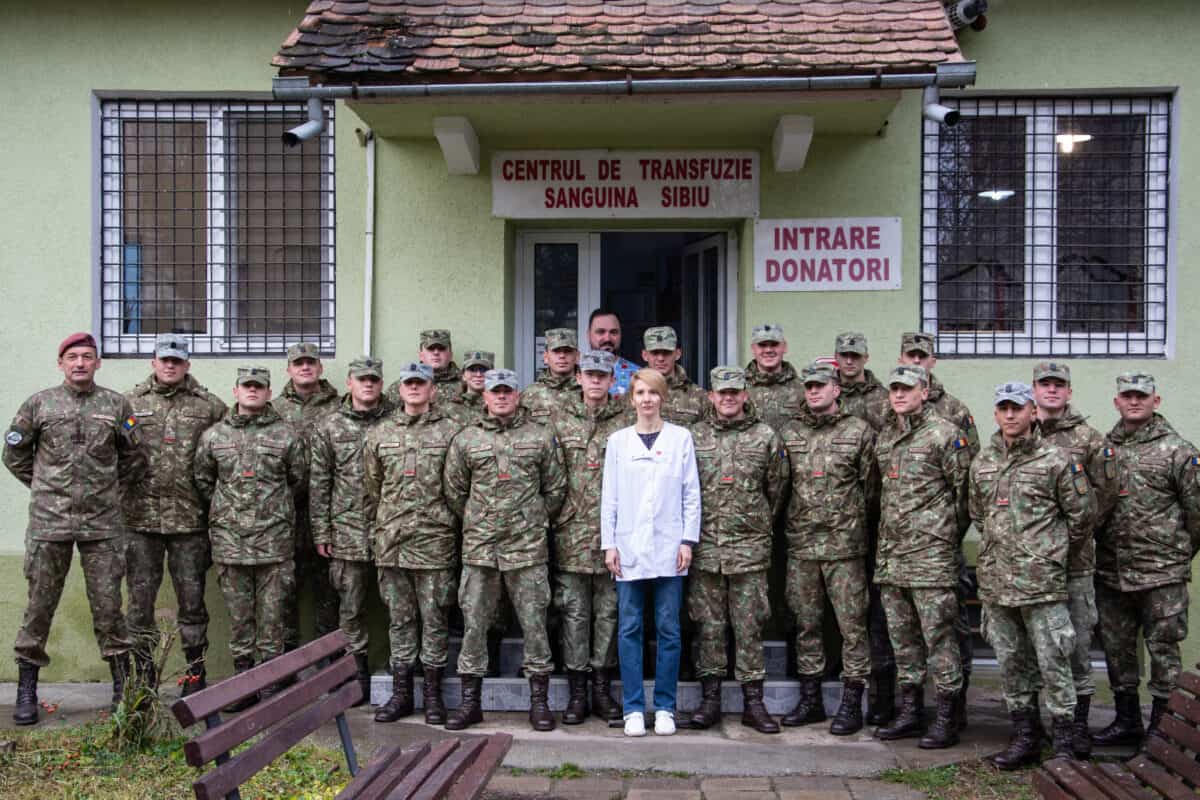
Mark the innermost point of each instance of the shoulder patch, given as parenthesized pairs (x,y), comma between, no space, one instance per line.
(1194,461)
(1077,468)
(15,437)
(960,443)
(130,423)
(1108,452)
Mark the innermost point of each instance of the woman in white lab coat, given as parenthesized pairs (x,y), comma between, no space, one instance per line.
(649,521)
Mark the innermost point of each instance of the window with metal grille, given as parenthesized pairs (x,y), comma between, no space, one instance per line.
(1044,226)
(211,228)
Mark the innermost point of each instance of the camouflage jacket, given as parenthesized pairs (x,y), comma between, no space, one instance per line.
(412,524)
(465,409)
(449,386)
(833,473)
(335,479)
(743,473)
(505,480)
(1086,446)
(868,400)
(687,403)
(75,451)
(249,469)
(924,464)
(1153,531)
(170,420)
(549,393)
(1030,501)
(951,408)
(778,396)
(583,434)
(304,412)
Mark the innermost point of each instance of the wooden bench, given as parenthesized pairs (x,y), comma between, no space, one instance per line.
(454,768)
(1166,767)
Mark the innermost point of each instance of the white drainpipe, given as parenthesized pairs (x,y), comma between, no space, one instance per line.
(369,245)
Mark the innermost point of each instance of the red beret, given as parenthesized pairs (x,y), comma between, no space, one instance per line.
(76,340)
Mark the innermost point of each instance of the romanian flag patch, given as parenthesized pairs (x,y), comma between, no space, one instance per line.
(960,443)
(130,423)
(1076,469)
(1108,452)
(1196,461)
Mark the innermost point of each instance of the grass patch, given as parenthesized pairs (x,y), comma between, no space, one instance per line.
(564,771)
(970,780)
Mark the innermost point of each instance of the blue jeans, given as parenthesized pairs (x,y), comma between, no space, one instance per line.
(631,605)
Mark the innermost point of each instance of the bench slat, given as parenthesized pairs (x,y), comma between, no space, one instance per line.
(1184,706)
(413,780)
(1179,731)
(383,758)
(1173,759)
(1126,779)
(1159,779)
(389,769)
(472,782)
(239,769)
(1190,681)
(1047,788)
(195,707)
(212,743)
(1083,783)
(437,784)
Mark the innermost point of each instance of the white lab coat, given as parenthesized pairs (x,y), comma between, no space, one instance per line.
(650,501)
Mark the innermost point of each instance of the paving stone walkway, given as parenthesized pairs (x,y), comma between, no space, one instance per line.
(781,788)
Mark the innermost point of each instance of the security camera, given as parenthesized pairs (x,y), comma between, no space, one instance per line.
(965,12)
(311,128)
(940,113)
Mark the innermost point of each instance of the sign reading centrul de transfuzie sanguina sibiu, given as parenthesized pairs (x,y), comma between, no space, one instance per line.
(834,254)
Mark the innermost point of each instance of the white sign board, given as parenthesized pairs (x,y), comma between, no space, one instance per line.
(822,255)
(574,184)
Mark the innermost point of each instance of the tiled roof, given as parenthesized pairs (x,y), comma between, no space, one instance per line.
(461,41)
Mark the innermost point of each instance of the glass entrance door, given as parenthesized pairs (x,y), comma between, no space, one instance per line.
(558,274)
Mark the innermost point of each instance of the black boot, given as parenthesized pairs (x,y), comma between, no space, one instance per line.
(754,711)
(400,704)
(849,716)
(431,692)
(943,732)
(1024,748)
(469,711)
(26,710)
(118,666)
(541,718)
(1063,729)
(1082,741)
(241,665)
(960,711)
(603,706)
(1127,728)
(1156,712)
(881,705)
(194,678)
(910,716)
(709,712)
(362,673)
(810,707)
(576,711)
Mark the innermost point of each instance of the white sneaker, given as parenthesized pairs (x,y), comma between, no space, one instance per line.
(635,724)
(664,723)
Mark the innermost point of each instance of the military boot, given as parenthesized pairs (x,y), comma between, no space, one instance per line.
(363,675)
(910,717)
(810,707)
(576,711)
(431,692)
(603,706)
(849,716)
(881,705)
(1063,729)
(943,732)
(1024,748)
(1082,743)
(541,718)
(754,712)
(26,710)
(241,665)
(1126,729)
(195,677)
(469,711)
(118,666)
(400,704)
(709,711)
(1156,712)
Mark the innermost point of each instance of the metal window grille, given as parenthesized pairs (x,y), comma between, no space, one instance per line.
(1044,226)
(211,228)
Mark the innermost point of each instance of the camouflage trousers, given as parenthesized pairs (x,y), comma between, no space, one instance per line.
(46,567)
(350,580)
(844,582)
(409,593)
(256,596)
(587,606)
(1081,603)
(966,588)
(1033,644)
(188,555)
(716,602)
(921,623)
(1161,616)
(479,597)
(312,577)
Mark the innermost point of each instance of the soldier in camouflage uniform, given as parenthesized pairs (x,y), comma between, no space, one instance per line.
(771,381)
(1031,502)
(556,386)
(505,480)
(1061,425)
(863,396)
(467,406)
(335,501)
(435,349)
(73,445)
(1144,552)
(305,399)
(164,513)
(414,538)
(743,474)
(249,468)
(584,594)
(924,461)
(833,473)
(688,403)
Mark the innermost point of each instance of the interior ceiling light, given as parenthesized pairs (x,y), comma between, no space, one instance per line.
(997,194)
(1067,141)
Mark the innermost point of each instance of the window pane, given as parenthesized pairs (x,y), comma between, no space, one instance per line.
(555,292)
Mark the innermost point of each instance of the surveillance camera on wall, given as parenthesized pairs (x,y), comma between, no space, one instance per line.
(963,13)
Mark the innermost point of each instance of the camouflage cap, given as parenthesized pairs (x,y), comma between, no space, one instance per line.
(558,338)
(818,372)
(1013,392)
(416,371)
(661,337)
(917,340)
(303,350)
(1051,369)
(597,361)
(496,378)
(724,378)
(1135,382)
(171,345)
(438,336)
(851,342)
(479,358)
(767,332)
(908,375)
(254,374)
(363,366)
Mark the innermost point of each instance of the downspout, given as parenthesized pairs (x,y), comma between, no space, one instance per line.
(369,244)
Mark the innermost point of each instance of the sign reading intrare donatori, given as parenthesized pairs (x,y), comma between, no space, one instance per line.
(619,184)
(821,255)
